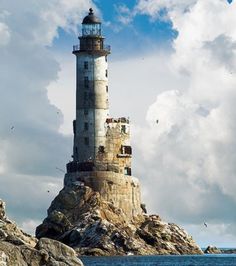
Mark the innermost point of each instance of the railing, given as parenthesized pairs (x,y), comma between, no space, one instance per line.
(105,48)
(76,48)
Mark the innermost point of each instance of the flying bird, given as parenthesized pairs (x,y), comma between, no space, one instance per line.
(205,224)
(48,191)
(12,127)
(157,121)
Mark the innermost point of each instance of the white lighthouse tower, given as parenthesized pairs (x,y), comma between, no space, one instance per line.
(91,91)
(102,152)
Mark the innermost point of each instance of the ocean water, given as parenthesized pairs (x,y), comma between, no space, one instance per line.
(199,260)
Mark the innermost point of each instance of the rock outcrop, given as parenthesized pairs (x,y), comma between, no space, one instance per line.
(20,249)
(212,250)
(80,218)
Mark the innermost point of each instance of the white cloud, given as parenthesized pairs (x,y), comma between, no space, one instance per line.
(31,145)
(4,34)
(64,88)
(124,14)
(187,161)
(163,8)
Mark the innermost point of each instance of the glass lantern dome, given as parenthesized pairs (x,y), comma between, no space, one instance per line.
(91,25)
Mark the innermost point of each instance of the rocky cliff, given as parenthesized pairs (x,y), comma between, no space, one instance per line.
(80,218)
(20,249)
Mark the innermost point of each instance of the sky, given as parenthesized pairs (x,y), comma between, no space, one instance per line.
(172,60)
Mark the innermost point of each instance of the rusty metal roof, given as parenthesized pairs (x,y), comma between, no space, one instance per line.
(91,18)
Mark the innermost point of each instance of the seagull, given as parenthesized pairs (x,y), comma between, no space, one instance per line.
(12,127)
(205,224)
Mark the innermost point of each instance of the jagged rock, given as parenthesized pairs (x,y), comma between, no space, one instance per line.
(20,249)
(80,218)
(2,209)
(212,250)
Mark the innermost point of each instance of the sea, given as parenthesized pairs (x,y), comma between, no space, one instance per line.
(197,260)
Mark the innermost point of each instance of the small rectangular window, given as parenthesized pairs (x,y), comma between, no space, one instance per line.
(101,149)
(106,73)
(126,150)
(86,126)
(85,96)
(86,141)
(85,111)
(128,171)
(86,65)
(123,128)
(106,58)
(106,88)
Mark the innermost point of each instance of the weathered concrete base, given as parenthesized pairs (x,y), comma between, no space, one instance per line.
(121,190)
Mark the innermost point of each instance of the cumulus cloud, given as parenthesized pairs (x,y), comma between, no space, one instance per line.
(125,15)
(188,158)
(163,8)
(31,145)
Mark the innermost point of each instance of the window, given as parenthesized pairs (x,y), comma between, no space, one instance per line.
(123,128)
(106,88)
(126,150)
(106,73)
(128,171)
(86,82)
(86,141)
(86,126)
(86,65)
(101,149)
(85,111)
(106,58)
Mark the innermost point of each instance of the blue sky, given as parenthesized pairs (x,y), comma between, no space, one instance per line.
(137,37)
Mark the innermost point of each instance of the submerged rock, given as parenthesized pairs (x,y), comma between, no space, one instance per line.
(80,218)
(20,249)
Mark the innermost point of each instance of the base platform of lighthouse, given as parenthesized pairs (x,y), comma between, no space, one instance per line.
(121,190)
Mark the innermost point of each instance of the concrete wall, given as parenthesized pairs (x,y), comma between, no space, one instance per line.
(112,158)
(92,106)
(123,191)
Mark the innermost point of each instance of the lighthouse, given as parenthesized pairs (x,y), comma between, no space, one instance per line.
(92,105)
(102,152)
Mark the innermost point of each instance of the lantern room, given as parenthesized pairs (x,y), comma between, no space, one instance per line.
(91,25)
